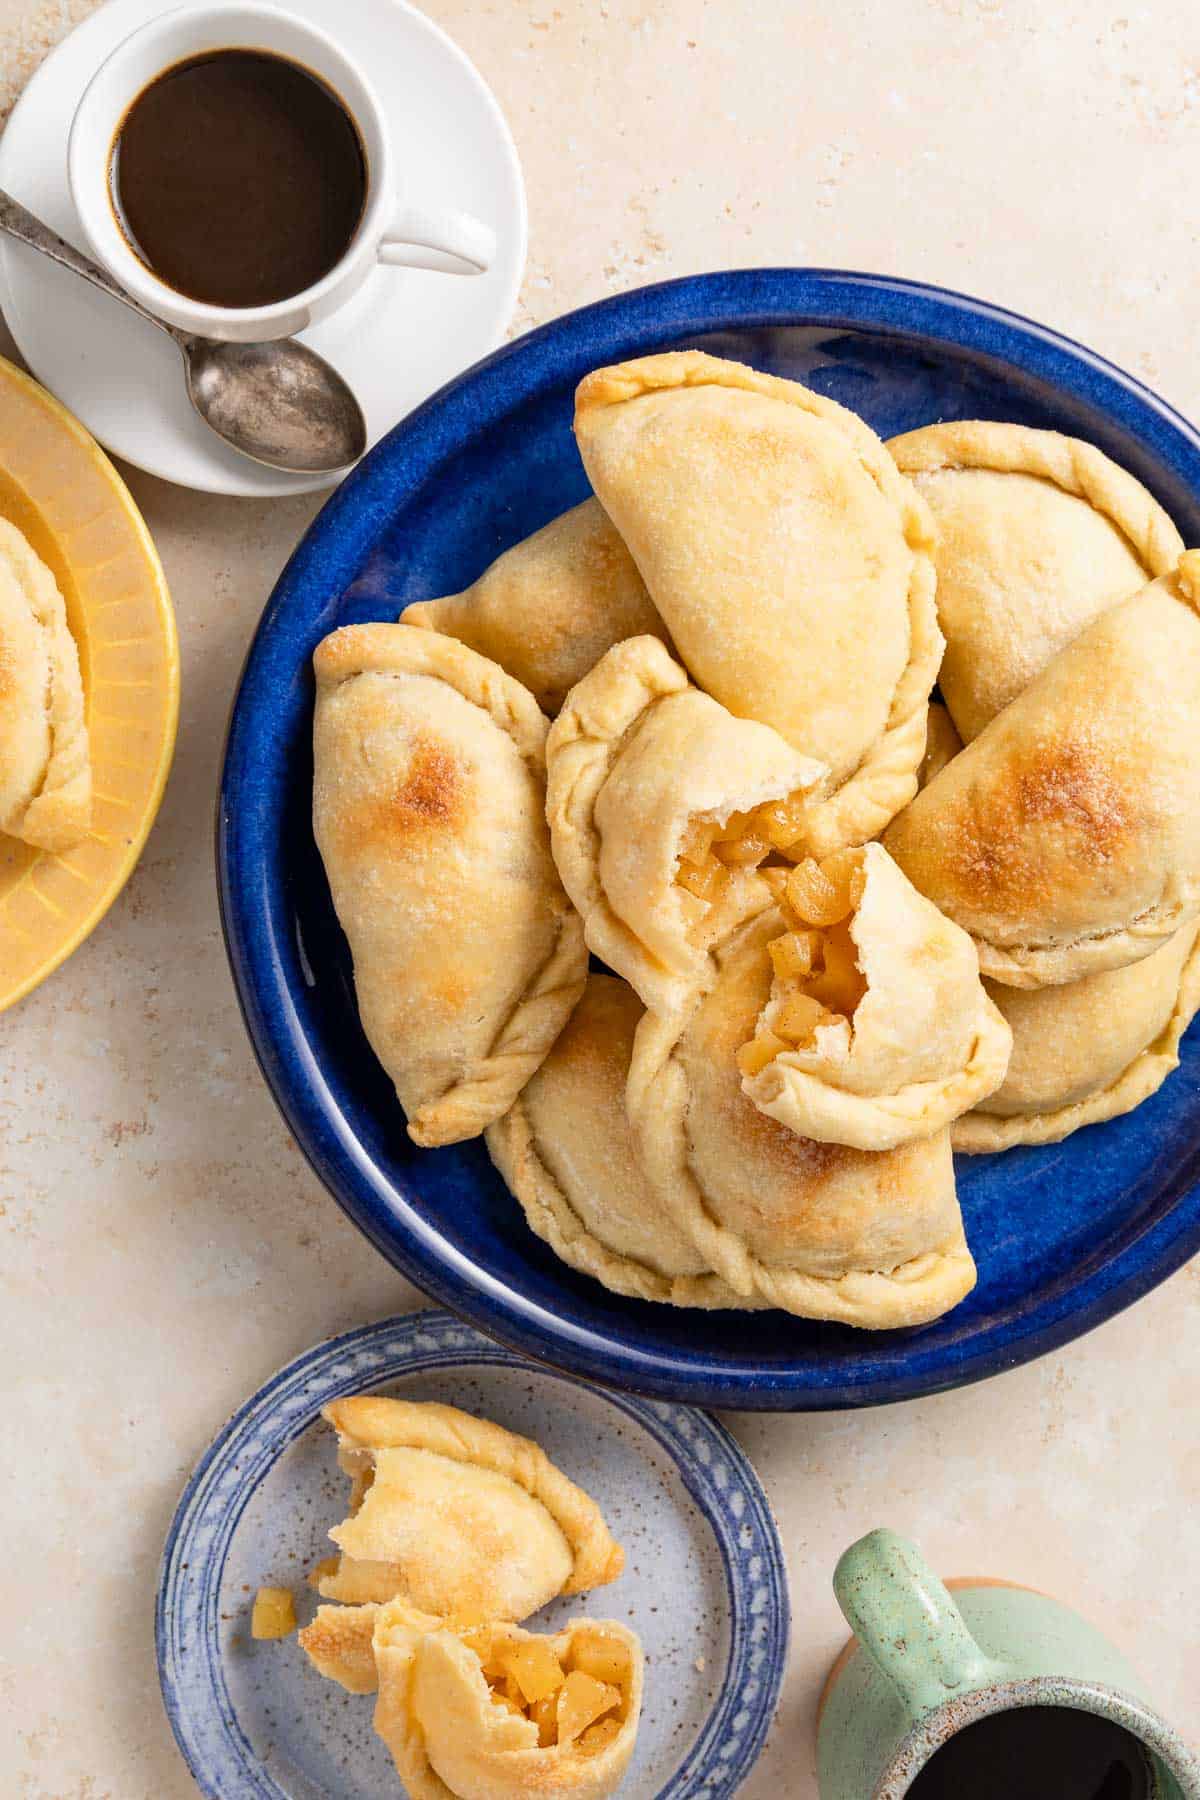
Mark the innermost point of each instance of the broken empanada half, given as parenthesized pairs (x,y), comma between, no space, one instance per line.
(1088,1050)
(868,1238)
(429,813)
(566,1151)
(1066,837)
(877,1030)
(549,608)
(502,1714)
(787,557)
(458,1516)
(45,767)
(661,805)
(1037,534)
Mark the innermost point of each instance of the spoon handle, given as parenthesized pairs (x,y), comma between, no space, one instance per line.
(20,223)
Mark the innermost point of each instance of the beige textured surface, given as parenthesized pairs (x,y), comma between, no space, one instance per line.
(162,1246)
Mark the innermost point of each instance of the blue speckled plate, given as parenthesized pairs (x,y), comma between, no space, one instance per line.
(704,1583)
(1063,1237)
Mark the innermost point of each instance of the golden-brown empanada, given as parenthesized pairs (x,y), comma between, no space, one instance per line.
(942,744)
(549,608)
(863,1237)
(787,558)
(45,769)
(1088,1050)
(1066,837)
(661,806)
(567,1154)
(1037,534)
(877,1030)
(428,810)
(458,1516)
(458,1712)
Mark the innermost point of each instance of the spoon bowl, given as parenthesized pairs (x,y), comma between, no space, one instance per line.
(279,403)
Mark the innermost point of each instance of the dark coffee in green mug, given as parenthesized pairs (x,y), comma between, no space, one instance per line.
(1040,1753)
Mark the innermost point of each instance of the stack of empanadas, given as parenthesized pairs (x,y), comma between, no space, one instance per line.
(457,1531)
(845,924)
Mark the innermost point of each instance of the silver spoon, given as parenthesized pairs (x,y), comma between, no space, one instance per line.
(278,403)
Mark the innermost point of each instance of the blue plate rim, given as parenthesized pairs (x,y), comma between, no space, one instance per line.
(351,521)
(711,1464)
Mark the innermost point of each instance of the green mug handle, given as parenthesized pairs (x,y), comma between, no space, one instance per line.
(908,1624)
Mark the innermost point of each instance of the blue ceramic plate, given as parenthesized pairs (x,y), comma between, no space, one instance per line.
(704,1583)
(1064,1237)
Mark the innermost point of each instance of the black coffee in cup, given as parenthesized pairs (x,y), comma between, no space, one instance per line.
(1038,1753)
(239,178)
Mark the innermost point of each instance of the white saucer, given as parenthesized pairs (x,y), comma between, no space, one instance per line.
(404,333)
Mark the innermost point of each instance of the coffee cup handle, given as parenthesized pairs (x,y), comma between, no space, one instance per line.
(908,1624)
(451,242)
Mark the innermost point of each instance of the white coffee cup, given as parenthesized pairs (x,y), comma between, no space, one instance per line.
(392,229)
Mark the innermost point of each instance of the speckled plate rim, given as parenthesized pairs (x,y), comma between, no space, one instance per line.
(135,656)
(330,556)
(714,1469)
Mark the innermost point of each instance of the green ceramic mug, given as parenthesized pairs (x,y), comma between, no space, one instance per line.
(923,1667)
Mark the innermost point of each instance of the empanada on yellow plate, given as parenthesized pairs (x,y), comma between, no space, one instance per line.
(549,608)
(428,810)
(877,1030)
(661,806)
(45,770)
(458,1516)
(566,1151)
(1066,837)
(788,559)
(870,1238)
(1088,1050)
(503,1714)
(1037,534)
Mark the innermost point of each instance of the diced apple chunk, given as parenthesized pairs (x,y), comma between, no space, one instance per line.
(792,955)
(581,1701)
(598,1737)
(532,1664)
(604,1659)
(798,1018)
(819,894)
(753,1057)
(706,880)
(319,1572)
(274,1613)
(544,1714)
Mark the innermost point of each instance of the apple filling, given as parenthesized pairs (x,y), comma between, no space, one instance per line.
(815,963)
(710,850)
(577,1702)
(274,1613)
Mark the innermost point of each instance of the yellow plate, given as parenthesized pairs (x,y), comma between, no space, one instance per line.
(60,489)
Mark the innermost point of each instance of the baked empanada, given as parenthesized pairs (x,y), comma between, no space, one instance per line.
(567,1154)
(458,1516)
(877,1030)
(549,608)
(428,810)
(863,1237)
(1088,1050)
(1066,837)
(661,806)
(942,744)
(1037,534)
(501,1714)
(45,769)
(787,558)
